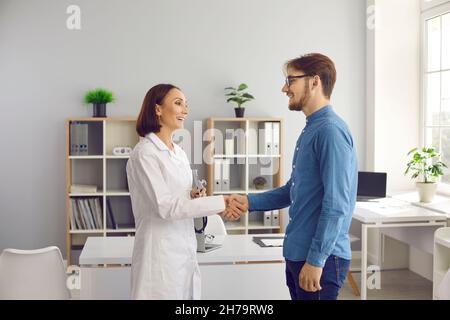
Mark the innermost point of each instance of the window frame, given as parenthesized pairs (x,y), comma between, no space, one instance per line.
(426,15)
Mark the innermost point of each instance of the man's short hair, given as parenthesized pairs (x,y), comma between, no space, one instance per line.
(316,64)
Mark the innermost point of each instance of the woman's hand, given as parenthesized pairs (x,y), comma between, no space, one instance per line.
(198,193)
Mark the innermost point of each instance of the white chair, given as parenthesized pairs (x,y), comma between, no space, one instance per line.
(33,274)
(215,226)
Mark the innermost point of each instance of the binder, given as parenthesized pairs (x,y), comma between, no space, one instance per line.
(275,218)
(265,139)
(99,213)
(252,138)
(87,214)
(217,175)
(73,225)
(267,218)
(73,139)
(276,138)
(83,139)
(226,174)
(111,215)
(240,141)
(97,219)
(83,220)
(229,142)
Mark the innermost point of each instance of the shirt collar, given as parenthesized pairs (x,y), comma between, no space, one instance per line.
(157,141)
(319,114)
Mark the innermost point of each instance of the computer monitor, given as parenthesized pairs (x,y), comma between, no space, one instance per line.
(371,185)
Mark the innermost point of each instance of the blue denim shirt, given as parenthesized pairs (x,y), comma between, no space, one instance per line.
(321,192)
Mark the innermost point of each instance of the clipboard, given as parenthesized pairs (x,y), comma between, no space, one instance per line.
(261,243)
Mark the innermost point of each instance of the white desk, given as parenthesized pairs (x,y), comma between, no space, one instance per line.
(391,213)
(250,272)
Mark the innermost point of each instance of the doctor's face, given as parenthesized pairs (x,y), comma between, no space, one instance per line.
(173,111)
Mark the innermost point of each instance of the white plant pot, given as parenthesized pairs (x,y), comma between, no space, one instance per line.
(426,191)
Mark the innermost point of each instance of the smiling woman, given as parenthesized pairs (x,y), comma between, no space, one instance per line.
(164,264)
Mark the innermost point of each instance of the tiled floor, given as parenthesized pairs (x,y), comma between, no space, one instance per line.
(395,285)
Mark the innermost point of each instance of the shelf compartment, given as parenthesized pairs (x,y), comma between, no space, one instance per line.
(233,131)
(256,220)
(120,134)
(116,176)
(267,168)
(262,140)
(88,133)
(235,170)
(119,214)
(86,215)
(87,172)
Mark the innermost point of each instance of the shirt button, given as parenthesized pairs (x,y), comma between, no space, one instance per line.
(290,219)
(296,149)
(303,131)
(292,202)
(293,167)
(293,183)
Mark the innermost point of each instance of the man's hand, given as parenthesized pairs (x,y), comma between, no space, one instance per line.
(236,205)
(309,278)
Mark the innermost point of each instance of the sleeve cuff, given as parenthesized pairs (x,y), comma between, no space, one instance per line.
(252,200)
(316,259)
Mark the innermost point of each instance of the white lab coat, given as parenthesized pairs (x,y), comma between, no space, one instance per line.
(164,262)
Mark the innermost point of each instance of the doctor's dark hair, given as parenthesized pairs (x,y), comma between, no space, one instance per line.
(316,64)
(147,121)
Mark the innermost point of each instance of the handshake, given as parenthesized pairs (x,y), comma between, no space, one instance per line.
(235,206)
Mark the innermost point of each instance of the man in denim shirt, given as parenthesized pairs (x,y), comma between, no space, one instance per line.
(321,192)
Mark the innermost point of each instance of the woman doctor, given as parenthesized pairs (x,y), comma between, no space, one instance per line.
(164,262)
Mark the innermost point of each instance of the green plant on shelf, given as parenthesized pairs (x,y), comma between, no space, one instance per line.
(238,95)
(99,96)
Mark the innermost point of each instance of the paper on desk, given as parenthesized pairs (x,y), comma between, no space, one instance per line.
(386,206)
(272,242)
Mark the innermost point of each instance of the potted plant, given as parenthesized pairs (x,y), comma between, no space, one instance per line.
(99,98)
(423,166)
(239,96)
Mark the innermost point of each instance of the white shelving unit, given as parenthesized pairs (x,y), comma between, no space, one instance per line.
(441,258)
(245,167)
(103,169)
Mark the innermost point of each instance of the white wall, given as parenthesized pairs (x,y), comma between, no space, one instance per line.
(393,117)
(394,95)
(129,46)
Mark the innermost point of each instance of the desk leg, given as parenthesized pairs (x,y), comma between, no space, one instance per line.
(363,261)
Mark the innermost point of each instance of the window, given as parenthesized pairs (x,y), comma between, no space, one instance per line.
(436,83)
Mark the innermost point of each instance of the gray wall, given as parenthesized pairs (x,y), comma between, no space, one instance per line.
(128,46)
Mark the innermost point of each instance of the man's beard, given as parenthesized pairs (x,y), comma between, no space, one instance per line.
(301,104)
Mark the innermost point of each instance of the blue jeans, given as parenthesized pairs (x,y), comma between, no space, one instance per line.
(333,276)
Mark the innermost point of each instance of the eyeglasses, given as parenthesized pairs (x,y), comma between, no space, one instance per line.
(289,78)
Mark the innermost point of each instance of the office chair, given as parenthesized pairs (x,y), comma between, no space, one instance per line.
(33,274)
